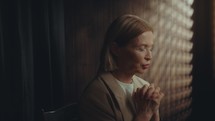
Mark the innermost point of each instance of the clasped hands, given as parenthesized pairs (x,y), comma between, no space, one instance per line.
(147,100)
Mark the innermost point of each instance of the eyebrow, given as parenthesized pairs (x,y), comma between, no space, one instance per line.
(146,45)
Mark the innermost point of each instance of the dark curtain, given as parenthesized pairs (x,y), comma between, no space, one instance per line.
(203,82)
(31,58)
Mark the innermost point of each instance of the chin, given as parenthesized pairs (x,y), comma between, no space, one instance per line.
(141,71)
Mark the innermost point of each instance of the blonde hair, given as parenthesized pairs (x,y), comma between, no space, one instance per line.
(121,31)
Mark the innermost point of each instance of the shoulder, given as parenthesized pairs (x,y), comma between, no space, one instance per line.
(95,87)
(95,102)
(94,95)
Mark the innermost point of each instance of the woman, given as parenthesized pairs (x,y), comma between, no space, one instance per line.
(117,94)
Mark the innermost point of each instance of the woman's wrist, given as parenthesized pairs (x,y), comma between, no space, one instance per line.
(143,117)
(156,116)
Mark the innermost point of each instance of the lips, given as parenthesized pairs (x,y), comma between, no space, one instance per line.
(145,66)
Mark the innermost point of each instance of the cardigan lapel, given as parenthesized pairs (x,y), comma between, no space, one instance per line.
(119,95)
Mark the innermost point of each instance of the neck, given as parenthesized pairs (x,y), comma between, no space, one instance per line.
(122,76)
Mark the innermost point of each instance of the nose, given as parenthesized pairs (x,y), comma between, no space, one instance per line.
(148,56)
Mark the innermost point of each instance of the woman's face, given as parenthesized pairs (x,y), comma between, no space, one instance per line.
(136,56)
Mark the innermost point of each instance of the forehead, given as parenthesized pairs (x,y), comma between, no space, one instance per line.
(145,38)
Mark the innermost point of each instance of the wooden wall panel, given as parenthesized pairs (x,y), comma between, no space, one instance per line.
(86,23)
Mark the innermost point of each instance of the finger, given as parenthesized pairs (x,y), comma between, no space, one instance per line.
(157,90)
(161,95)
(134,97)
(144,90)
(135,94)
(151,85)
(150,91)
(156,93)
(137,89)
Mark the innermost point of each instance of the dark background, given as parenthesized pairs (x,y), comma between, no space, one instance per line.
(46,56)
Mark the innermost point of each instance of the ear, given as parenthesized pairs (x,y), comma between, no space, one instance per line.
(114,49)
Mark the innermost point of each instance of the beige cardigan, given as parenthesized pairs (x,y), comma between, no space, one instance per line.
(104,100)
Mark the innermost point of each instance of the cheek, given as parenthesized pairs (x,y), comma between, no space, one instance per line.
(139,58)
(135,57)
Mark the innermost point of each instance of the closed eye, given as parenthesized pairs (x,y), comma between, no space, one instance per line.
(142,48)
